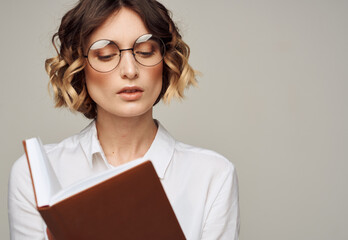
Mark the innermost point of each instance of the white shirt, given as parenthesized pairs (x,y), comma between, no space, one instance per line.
(201,185)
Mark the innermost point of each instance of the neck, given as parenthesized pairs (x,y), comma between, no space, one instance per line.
(125,138)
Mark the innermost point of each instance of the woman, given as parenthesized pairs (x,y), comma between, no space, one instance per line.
(117,59)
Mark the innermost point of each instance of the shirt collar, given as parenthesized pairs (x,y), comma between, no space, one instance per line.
(160,152)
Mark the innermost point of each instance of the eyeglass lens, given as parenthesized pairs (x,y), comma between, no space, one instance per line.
(104,55)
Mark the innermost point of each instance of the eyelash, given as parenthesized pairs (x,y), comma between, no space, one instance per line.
(145,54)
(106,57)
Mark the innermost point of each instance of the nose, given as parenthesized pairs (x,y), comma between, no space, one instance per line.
(128,65)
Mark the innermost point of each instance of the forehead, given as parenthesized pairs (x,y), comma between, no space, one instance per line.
(123,27)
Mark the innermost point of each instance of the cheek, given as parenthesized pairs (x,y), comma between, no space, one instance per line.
(97,86)
(94,81)
(156,76)
(91,76)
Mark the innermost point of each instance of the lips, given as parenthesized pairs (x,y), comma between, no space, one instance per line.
(131,93)
(130,90)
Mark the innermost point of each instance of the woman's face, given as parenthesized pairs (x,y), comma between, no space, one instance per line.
(113,92)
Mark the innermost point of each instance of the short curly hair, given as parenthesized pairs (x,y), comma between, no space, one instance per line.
(67,77)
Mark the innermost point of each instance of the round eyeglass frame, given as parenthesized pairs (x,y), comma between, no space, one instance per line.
(126,49)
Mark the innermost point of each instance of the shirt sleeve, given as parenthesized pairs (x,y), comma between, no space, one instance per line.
(24,219)
(223,218)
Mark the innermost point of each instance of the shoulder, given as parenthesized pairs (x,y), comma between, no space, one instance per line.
(204,172)
(70,144)
(19,184)
(20,169)
(20,174)
(191,160)
(64,145)
(202,159)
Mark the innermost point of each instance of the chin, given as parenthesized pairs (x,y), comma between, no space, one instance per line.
(131,110)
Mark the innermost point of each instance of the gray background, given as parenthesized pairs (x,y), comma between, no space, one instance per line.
(272,98)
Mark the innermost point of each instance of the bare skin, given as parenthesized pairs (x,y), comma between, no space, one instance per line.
(125,139)
(126,128)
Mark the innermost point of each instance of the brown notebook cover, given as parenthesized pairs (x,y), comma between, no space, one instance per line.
(131,205)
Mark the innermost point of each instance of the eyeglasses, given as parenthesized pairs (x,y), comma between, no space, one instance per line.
(104,55)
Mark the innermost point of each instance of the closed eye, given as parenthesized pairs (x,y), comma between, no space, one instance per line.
(106,58)
(144,54)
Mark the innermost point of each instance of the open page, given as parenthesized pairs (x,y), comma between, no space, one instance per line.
(44,178)
(91,181)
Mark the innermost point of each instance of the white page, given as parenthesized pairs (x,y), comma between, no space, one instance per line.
(45,180)
(89,182)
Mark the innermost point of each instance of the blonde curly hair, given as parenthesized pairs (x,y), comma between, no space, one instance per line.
(66,70)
